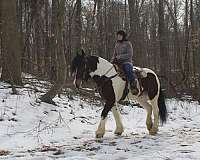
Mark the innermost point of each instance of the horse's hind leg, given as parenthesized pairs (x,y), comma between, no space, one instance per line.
(101,128)
(119,127)
(155,108)
(148,108)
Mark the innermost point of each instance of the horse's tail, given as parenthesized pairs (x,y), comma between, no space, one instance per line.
(162,107)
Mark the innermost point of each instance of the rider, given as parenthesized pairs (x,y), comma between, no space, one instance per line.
(123,54)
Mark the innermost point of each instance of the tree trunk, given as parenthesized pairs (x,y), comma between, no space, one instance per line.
(176,40)
(133,30)
(11,69)
(47,42)
(60,10)
(162,35)
(186,56)
(100,49)
(77,28)
(54,62)
(0,33)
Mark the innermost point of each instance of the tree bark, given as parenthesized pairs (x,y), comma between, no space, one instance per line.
(77,28)
(133,14)
(100,40)
(162,35)
(11,68)
(186,56)
(47,41)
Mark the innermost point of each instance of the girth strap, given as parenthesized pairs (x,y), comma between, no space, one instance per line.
(100,87)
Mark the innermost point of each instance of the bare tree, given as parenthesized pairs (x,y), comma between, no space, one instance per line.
(56,88)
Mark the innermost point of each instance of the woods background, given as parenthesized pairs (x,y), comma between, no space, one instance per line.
(41,37)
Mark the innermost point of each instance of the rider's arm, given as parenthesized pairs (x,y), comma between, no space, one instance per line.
(114,56)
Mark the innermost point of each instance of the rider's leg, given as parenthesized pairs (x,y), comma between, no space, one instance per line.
(128,70)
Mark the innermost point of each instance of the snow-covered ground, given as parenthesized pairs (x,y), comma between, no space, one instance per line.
(30,130)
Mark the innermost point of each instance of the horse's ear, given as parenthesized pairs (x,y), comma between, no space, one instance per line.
(82,53)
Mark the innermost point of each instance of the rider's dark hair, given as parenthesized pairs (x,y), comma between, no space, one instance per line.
(123,33)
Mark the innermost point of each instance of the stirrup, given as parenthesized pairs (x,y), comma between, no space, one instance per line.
(136,91)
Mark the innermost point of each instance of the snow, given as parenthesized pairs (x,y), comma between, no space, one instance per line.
(32,130)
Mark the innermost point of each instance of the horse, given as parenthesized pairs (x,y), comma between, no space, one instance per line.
(111,87)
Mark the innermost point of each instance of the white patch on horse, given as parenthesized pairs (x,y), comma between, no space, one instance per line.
(119,127)
(101,128)
(106,68)
(102,67)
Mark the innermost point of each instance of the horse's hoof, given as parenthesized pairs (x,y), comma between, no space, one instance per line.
(153,131)
(99,135)
(149,126)
(118,132)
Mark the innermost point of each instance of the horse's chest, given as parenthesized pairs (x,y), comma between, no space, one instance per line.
(118,87)
(105,88)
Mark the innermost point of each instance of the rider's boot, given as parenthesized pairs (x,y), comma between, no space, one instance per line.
(135,87)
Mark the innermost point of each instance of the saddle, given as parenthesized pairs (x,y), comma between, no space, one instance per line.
(139,73)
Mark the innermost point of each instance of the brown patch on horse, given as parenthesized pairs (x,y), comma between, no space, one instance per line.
(150,85)
(105,88)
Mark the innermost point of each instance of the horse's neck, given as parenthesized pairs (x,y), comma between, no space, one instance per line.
(104,68)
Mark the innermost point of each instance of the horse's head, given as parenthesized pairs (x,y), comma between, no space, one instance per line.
(79,69)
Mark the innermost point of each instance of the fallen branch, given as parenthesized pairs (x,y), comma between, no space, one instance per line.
(4,153)
(83,118)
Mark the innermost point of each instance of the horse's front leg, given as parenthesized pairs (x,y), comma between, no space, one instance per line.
(119,127)
(101,128)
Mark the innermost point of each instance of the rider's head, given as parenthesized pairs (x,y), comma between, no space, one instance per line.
(121,35)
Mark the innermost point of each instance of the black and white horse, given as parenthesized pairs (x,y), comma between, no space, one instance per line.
(111,87)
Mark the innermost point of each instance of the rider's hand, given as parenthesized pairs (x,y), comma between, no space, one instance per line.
(114,61)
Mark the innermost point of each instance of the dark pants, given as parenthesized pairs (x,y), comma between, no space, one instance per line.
(128,70)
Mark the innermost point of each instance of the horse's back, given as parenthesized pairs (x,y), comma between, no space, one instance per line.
(146,70)
(149,81)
